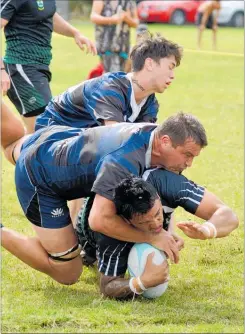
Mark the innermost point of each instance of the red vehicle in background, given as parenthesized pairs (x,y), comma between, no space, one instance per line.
(174,12)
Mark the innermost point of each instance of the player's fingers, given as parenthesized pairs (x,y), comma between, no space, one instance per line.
(80,43)
(180,244)
(81,46)
(185,223)
(183,228)
(174,253)
(93,48)
(169,254)
(150,256)
(194,227)
(88,45)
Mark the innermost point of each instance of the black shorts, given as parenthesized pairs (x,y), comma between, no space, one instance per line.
(29,91)
(112,254)
(209,23)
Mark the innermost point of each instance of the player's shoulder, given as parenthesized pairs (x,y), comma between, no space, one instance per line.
(163,175)
(164,179)
(115,82)
(120,78)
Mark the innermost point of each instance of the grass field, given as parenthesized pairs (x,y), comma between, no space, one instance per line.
(205,293)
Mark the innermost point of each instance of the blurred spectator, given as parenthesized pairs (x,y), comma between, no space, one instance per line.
(207,15)
(99,69)
(113,21)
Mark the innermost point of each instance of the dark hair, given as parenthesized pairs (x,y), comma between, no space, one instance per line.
(134,196)
(155,47)
(182,126)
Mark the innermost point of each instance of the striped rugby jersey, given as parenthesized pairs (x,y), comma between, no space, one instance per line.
(174,191)
(109,97)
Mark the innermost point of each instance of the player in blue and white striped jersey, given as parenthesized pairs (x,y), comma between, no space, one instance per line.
(118,97)
(57,164)
(130,197)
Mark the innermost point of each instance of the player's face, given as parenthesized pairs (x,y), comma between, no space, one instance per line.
(177,159)
(152,221)
(163,73)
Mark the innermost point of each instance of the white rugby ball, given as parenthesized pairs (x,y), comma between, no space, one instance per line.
(136,264)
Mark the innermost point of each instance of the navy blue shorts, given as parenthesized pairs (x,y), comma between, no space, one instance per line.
(41,208)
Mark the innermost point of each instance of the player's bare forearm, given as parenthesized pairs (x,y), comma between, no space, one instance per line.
(115,287)
(132,22)
(225,221)
(62,27)
(100,20)
(103,219)
(214,210)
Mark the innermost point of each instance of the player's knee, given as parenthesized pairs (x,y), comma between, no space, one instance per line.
(67,265)
(9,154)
(71,279)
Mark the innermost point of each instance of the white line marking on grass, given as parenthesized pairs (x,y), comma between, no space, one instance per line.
(217,53)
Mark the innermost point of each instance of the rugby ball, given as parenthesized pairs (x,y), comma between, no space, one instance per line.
(136,264)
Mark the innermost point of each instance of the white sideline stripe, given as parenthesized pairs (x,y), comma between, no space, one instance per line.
(22,73)
(116,266)
(109,262)
(22,105)
(217,53)
(2,8)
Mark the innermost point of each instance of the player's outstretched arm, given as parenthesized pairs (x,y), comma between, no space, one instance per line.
(62,27)
(214,211)
(121,288)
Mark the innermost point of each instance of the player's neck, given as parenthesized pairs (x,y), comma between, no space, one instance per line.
(156,156)
(140,87)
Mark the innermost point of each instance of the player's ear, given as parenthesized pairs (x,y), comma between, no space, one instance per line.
(165,141)
(149,64)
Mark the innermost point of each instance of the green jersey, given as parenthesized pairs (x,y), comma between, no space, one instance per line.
(28,31)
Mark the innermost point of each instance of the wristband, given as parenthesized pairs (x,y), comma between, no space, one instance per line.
(207,225)
(2,68)
(132,288)
(141,285)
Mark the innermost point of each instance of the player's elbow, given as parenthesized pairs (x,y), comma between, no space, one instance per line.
(235,221)
(95,222)
(232,218)
(93,18)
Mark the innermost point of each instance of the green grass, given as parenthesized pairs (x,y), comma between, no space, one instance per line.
(205,293)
